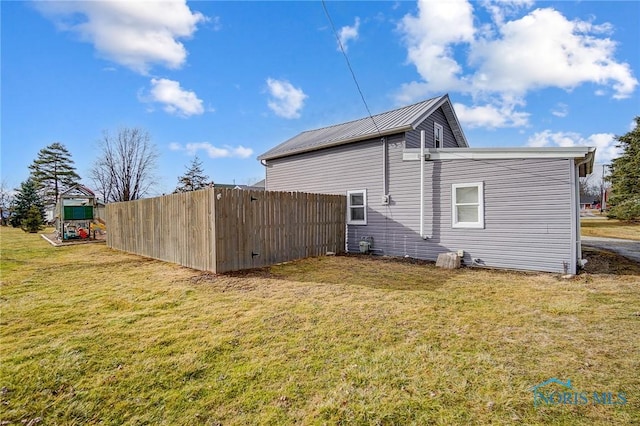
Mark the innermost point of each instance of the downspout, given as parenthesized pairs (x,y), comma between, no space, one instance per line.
(264,163)
(575,217)
(384,167)
(578,241)
(422,142)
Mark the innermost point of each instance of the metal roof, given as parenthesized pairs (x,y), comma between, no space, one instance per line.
(386,123)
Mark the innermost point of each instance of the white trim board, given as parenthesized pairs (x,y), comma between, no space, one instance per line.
(413,154)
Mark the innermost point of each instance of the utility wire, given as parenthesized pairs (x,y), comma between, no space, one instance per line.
(355,80)
(514,169)
(333,27)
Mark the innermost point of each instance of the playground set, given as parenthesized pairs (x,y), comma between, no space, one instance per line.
(76,214)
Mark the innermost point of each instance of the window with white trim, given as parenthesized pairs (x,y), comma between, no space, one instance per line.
(467,205)
(357,207)
(438,135)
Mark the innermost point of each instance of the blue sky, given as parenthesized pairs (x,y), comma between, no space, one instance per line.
(228,80)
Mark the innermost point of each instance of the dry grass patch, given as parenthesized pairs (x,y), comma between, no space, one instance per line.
(610,228)
(90,335)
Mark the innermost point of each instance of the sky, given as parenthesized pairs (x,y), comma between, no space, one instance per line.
(227,81)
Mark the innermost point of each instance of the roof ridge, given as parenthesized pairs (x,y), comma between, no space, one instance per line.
(401,119)
(374,115)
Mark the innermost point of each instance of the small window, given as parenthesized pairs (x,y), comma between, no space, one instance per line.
(357,207)
(467,205)
(438,132)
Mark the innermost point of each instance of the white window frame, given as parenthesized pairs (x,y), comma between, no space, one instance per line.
(438,143)
(480,204)
(349,206)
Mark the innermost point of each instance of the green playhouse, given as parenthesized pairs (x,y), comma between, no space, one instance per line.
(75,210)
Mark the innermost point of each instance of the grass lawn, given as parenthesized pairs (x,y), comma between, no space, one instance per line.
(610,228)
(89,335)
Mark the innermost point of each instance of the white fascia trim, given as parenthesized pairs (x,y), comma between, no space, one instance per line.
(359,138)
(413,154)
(456,129)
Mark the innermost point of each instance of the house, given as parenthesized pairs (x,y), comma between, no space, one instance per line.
(414,188)
(258,186)
(588,202)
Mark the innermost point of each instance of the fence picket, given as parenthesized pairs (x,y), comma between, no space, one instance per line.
(218,229)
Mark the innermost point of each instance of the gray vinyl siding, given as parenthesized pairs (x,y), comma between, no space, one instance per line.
(330,171)
(337,170)
(528,207)
(413,136)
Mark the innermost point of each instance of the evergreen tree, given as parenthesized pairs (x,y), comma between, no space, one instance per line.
(26,197)
(33,221)
(194,178)
(53,171)
(625,177)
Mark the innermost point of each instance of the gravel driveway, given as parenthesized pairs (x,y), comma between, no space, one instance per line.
(627,248)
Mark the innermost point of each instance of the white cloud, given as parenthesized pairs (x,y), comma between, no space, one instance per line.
(286,101)
(212,151)
(242,152)
(135,34)
(348,33)
(604,143)
(559,53)
(505,60)
(491,116)
(500,9)
(430,37)
(216,23)
(176,100)
(561,110)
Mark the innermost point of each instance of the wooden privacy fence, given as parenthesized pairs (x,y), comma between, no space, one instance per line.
(222,230)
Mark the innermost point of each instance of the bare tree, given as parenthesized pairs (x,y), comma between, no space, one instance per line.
(589,188)
(6,200)
(126,166)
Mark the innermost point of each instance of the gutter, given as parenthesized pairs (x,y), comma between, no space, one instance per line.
(577,241)
(413,154)
(588,160)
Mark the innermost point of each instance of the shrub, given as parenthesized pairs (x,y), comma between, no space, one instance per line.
(33,221)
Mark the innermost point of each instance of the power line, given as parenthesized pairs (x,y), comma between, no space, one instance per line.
(355,80)
(514,169)
(344,53)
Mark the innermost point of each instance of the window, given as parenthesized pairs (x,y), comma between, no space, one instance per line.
(357,207)
(437,135)
(467,205)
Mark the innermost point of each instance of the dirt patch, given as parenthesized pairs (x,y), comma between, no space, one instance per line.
(606,262)
(390,269)
(52,238)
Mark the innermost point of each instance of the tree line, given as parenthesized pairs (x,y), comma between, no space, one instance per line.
(123,171)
